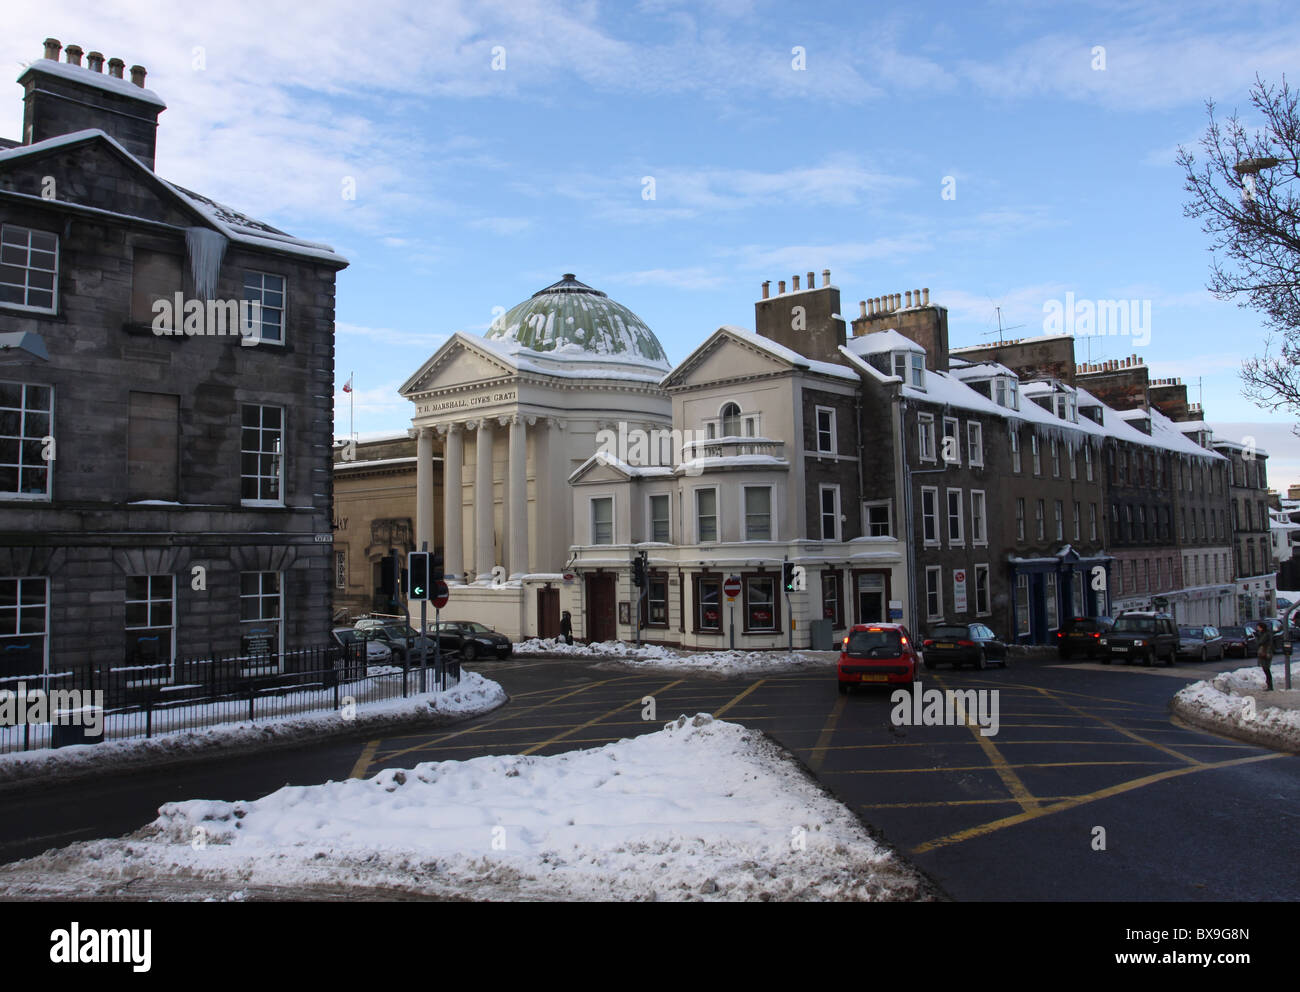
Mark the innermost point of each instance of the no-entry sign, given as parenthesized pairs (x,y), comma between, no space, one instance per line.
(439,595)
(731,587)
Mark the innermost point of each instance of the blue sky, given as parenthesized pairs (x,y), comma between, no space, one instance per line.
(477,186)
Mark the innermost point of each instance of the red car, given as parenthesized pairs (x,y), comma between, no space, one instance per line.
(879,654)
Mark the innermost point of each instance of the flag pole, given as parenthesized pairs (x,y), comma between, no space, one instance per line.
(352,403)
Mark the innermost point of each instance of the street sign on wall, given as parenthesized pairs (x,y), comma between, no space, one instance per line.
(959,590)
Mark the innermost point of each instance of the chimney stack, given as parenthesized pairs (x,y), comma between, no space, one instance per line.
(115,67)
(73,52)
(52,48)
(95,61)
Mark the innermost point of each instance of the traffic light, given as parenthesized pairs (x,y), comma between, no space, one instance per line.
(638,571)
(418,565)
(436,567)
(388,576)
(787,575)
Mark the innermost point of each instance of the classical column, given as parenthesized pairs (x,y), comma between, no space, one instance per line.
(424,488)
(483,503)
(518,498)
(452,495)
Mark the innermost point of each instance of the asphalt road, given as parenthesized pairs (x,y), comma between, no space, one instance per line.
(1186,815)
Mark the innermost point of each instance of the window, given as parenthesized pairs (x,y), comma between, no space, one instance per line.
(24,621)
(1092,521)
(1077,521)
(730,417)
(955,537)
(341,569)
(602,520)
(1015,451)
(29,268)
(1060,520)
(1020,518)
(1040,514)
(156,276)
(151,623)
(831,608)
(656,614)
(1022,605)
(659,508)
(934,593)
(981,590)
(1056,459)
(978,528)
(829,497)
(930,514)
(1072,453)
(153,446)
(708,614)
(1142,522)
(951,441)
(267,291)
(826,429)
(925,430)
(900,364)
(1038,459)
(758,513)
(26,419)
(1006,393)
(706,515)
(918,370)
(261,466)
(974,443)
(760,604)
(879,519)
(1049,600)
(1087,461)
(261,607)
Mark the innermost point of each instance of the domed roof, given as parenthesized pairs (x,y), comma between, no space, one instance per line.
(574,321)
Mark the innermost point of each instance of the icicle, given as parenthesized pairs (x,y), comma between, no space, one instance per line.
(206,248)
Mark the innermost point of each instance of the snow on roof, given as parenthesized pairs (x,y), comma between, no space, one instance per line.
(100,80)
(376,462)
(234,225)
(1002,344)
(694,466)
(881,341)
(568,361)
(972,372)
(867,368)
(633,471)
(789,354)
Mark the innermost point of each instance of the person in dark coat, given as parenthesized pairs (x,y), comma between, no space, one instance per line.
(1266,653)
(566,627)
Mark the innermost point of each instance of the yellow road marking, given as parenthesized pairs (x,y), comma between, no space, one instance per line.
(955,802)
(1125,731)
(1106,793)
(823,741)
(584,726)
(736,699)
(1010,779)
(1006,765)
(363,762)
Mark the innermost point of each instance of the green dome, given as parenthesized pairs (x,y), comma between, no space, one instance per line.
(572,320)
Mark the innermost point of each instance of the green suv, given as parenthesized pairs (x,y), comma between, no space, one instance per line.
(1141,636)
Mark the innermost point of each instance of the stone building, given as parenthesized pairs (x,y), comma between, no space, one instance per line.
(1252,527)
(164,454)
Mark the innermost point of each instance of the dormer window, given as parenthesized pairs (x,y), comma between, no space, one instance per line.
(1065,407)
(900,365)
(918,370)
(1006,392)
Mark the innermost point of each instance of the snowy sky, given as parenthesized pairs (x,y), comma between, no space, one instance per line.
(477,186)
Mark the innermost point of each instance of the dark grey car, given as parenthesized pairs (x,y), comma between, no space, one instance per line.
(1201,643)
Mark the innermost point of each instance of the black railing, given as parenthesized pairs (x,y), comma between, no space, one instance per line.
(86,706)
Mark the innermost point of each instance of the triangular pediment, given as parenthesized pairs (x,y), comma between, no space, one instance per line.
(597,470)
(462,361)
(727,355)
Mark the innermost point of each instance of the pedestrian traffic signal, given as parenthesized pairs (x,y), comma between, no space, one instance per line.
(436,567)
(638,571)
(787,575)
(418,565)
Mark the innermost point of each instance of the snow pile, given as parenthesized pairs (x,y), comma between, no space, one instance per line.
(473,695)
(703,809)
(660,658)
(1237,703)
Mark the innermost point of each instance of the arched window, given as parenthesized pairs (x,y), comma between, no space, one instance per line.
(731,420)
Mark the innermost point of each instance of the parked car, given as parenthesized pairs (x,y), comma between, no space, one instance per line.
(1275,626)
(1082,636)
(880,653)
(403,640)
(963,643)
(1141,636)
(1283,604)
(377,652)
(1239,642)
(1201,643)
(473,639)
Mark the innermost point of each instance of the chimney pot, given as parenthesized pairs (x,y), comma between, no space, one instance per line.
(95,61)
(909,298)
(767,288)
(862,306)
(115,67)
(926,291)
(898,300)
(812,283)
(73,52)
(780,287)
(52,48)
(826,277)
(137,75)
(794,283)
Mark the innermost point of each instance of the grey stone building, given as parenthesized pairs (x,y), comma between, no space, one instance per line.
(166,411)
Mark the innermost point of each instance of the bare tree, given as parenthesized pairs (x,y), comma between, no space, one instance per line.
(1245,195)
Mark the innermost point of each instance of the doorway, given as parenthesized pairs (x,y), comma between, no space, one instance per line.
(600,607)
(548,612)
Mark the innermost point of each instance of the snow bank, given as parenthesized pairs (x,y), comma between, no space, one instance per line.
(473,695)
(656,657)
(1237,704)
(703,809)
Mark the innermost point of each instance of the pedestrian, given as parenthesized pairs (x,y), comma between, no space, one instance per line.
(566,627)
(1266,653)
